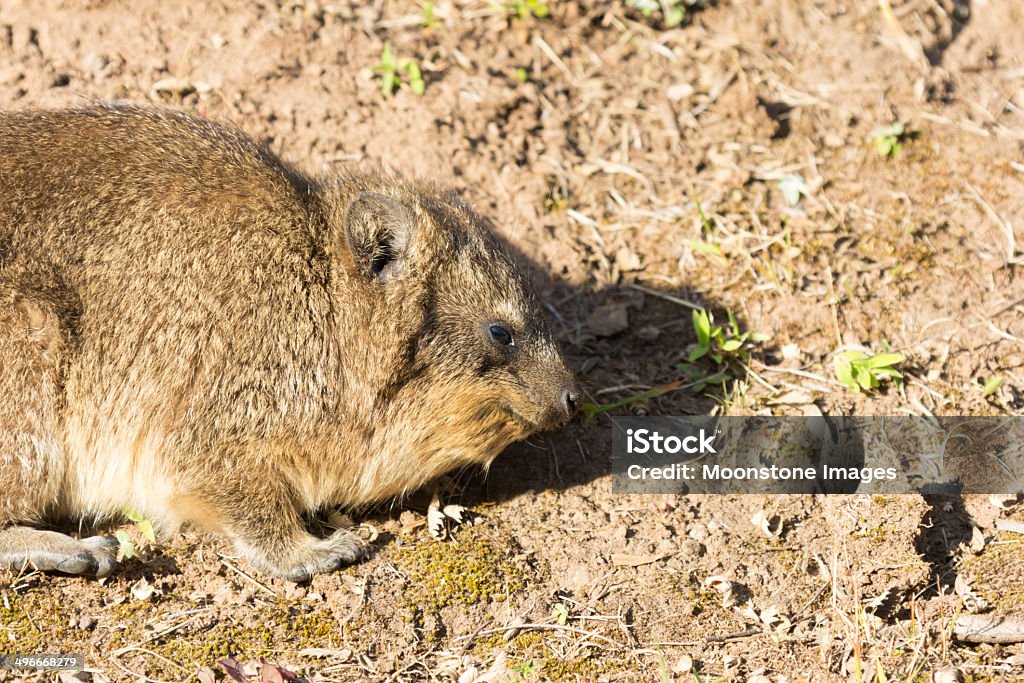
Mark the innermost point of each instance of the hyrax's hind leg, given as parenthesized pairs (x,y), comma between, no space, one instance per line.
(34,342)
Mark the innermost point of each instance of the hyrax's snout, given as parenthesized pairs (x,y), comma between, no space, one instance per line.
(569,399)
(560,396)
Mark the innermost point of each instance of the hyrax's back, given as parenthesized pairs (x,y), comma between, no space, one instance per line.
(166,229)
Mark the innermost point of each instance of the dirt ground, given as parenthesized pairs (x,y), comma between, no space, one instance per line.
(638,167)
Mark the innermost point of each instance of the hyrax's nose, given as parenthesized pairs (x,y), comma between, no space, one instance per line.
(570,398)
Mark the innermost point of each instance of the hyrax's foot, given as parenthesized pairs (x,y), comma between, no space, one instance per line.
(323,555)
(51,551)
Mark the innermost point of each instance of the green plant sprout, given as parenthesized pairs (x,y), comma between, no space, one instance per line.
(862,372)
(145,526)
(673,11)
(592,410)
(427,18)
(723,344)
(560,613)
(524,9)
(793,187)
(127,548)
(992,385)
(709,245)
(889,140)
(391,70)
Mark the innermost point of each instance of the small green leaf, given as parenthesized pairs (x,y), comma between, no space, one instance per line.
(844,373)
(717,378)
(730,345)
(522,75)
(126,546)
(561,614)
(539,8)
(792,187)
(416,84)
(992,385)
(883,360)
(867,381)
(733,323)
(705,247)
(146,527)
(387,83)
(702,326)
(697,352)
(704,222)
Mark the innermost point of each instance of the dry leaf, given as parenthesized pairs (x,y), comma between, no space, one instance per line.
(719,583)
(143,590)
(977,540)
(947,674)
(971,600)
(343,654)
(762,522)
(683,665)
(435,519)
(454,512)
(233,670)
(271,673)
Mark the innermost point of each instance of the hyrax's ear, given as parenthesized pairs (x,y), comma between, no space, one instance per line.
(380,232)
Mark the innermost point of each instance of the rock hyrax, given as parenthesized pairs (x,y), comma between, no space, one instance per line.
(192,329)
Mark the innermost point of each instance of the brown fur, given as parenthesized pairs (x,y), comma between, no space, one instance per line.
(192,329)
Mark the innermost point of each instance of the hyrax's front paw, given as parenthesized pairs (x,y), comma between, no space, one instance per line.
(51,551)
(325,555)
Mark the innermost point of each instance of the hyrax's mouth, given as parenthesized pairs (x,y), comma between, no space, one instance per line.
(519,419)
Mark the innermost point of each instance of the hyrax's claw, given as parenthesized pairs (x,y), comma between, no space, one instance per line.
(104,549)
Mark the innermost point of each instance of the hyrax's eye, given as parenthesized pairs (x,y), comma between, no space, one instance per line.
(501,336)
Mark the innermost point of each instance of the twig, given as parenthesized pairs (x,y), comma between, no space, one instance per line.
(747,633)
(136,674)
(543,627)
(1011,247)
(155,636)
(555,59)
(249,578)
(666,297)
